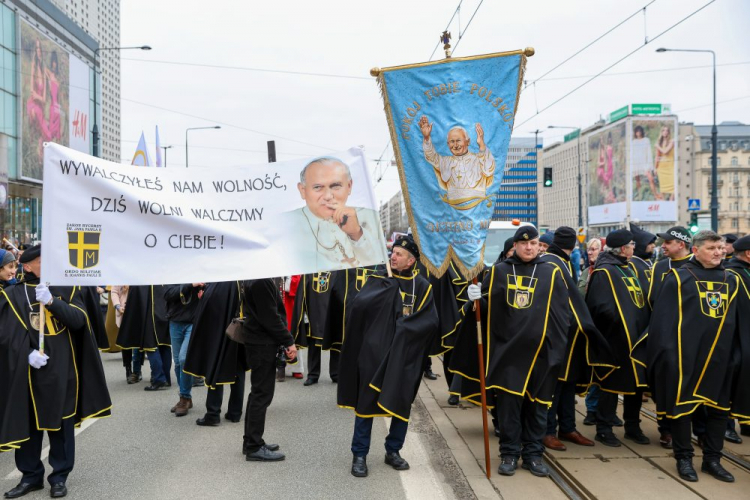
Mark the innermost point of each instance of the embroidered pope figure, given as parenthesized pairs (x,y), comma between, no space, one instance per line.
(464,176)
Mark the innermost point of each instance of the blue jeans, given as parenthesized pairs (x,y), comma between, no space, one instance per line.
(180,335)
(161,362)
(363,431)
(592,399)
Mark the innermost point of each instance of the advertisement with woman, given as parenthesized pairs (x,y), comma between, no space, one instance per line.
(653,168)
(608,162)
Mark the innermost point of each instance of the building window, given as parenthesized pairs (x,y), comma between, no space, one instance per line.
(735,223)
(735,161)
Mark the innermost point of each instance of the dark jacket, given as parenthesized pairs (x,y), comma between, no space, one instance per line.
(265,316)
(182,302)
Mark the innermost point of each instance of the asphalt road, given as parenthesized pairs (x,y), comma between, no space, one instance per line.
(144,451)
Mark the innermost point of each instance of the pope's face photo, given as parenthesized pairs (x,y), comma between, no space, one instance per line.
(458,142)
(327,186)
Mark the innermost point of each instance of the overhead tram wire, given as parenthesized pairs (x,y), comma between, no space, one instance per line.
(460,36)
(594,41)
(615,63)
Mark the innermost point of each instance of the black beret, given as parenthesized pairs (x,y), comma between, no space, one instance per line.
(408,244)
(565,237)
(525,233)
(31,254)
(677,233)
(729,237)
(619,238)
(742,244)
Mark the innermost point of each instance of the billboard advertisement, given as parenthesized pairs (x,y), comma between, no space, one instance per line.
(54,98)
(607,174)
(653,168)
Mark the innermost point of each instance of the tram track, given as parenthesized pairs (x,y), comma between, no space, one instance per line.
(564,480)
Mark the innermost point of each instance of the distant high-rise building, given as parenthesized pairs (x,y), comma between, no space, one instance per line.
(517,198)
(101,20)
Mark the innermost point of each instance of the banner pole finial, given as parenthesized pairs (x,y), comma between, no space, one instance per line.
(445,39)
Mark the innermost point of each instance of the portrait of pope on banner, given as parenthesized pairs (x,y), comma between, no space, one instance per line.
(464,176)
(327,233)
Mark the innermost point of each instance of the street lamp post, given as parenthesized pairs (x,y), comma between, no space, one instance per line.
(580,180)
(165,154)
(186,140)
(95,130)
(714,143)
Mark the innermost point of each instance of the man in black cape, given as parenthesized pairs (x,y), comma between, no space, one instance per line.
(90,298)
(689,352)
(318,320)
(145,326)
(526,325)
(642,259)
(55,390)
(676,250)
(390,327)
(729,240)
(616,300)
(213,356)
(740,265)
(586,349)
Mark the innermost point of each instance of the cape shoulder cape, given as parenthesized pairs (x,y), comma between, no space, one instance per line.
(382,358)
(144,324)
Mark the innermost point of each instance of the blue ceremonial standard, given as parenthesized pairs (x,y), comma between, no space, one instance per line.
(450,123)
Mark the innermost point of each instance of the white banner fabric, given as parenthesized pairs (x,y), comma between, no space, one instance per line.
(111,224)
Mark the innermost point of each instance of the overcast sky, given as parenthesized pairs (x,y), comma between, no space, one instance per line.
(311,115)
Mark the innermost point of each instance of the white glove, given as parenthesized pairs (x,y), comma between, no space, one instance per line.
(287,284)
(305,318)
(37,360)
(43,294)
(475,292)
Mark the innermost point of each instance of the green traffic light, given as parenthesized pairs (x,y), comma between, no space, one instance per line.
(693,229)
(548,183)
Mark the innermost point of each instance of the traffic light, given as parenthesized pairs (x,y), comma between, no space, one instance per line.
(547,177)
(693,228)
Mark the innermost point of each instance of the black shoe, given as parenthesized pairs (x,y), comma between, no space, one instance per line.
(272,447)
(685,469)
(128,373)
(395,461)
(232,419)
(608,439)
(508,466)
(637,436)
(359,467)
(310,381)
(22,489)
(536,467)
(453,400)
(263,454)
(430,375)
(617,421)
(156,386)
(135,377)
(335,380)
(731,436)
(207,422)
(58,490)
(590,418)
(715,469)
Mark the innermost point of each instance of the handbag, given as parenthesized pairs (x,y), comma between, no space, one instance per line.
(234,329)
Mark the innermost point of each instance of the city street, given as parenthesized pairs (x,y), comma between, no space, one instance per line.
(143,451)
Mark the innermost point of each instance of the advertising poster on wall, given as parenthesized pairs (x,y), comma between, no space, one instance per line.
(653,169)
(54,99)
(608,165)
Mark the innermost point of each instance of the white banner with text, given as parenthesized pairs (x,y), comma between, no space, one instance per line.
(111,224)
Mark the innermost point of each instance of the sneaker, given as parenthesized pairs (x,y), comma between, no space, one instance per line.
(508,466)
(637,436)
(608,439)
(265,455)
(135,377)
(590,418)
(536,467)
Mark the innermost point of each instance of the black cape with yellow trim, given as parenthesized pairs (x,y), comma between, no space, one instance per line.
(690,339)
(320,298)
(383,357)
(94,312)
(144,324)
(617,304)
(71,385)
(659,272)
(643,271)
(449,292)
(211,354)
(587,350)
(526,327)
(741,351)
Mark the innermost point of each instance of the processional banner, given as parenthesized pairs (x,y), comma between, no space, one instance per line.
(106,224)
(450,123)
